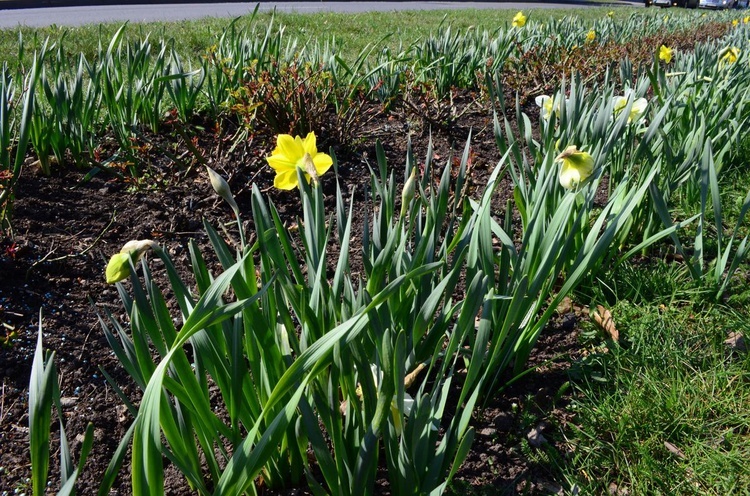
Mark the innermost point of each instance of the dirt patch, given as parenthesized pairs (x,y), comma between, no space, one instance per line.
(65,228)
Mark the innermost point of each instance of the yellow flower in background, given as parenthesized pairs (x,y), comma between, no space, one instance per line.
(295,153)
(665,54)
(519,20)
(590,36)
(728,56)
(545,103)
(636,110)
(745,19)
(118,267)
(577,166)
(735,22)
(610,13)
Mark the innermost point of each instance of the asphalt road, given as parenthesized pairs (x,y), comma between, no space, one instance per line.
(76,16)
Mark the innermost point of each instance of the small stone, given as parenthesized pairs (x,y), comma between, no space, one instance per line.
(536,438)
(736,341)
(68,401)
(488,432)
(122,413)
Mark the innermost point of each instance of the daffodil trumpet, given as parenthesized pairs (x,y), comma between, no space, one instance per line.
(637,108)
(577,166)
(665,54)
(728,56)
(118,267)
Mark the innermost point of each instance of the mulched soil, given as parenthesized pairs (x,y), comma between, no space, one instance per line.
(65,228)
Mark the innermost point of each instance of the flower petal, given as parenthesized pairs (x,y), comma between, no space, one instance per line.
(638,108)
(309,144)
(280,163)
(569,176)
(289,147)
(408,404)
(619,103)
(286,179)
(322,163)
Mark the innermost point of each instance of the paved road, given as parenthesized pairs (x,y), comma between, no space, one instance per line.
(76,16)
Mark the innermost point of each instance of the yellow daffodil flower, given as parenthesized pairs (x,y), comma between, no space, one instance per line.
(577,166)
(665,54)
(590,36)
(636,111)
(735,22)
(519,20)
(728,56)
(118,267)
(295,153)
(610,13)
(546,104)
(745,19)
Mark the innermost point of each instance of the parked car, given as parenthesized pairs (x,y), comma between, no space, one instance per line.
(718,4)
(690,4)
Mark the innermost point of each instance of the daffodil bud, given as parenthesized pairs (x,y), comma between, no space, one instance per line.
(118,267)
(409,191)
(221,187)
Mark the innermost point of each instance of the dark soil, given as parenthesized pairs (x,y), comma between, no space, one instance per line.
(65,228)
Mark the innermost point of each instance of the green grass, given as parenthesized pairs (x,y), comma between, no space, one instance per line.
(352,32)
(674,381)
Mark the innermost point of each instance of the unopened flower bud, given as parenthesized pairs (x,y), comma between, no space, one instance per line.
(221,187)
(409,191)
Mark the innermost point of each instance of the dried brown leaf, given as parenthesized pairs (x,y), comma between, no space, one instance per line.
(603,319)
(674,450)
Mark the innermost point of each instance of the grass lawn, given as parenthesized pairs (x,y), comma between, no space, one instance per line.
(351,32)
